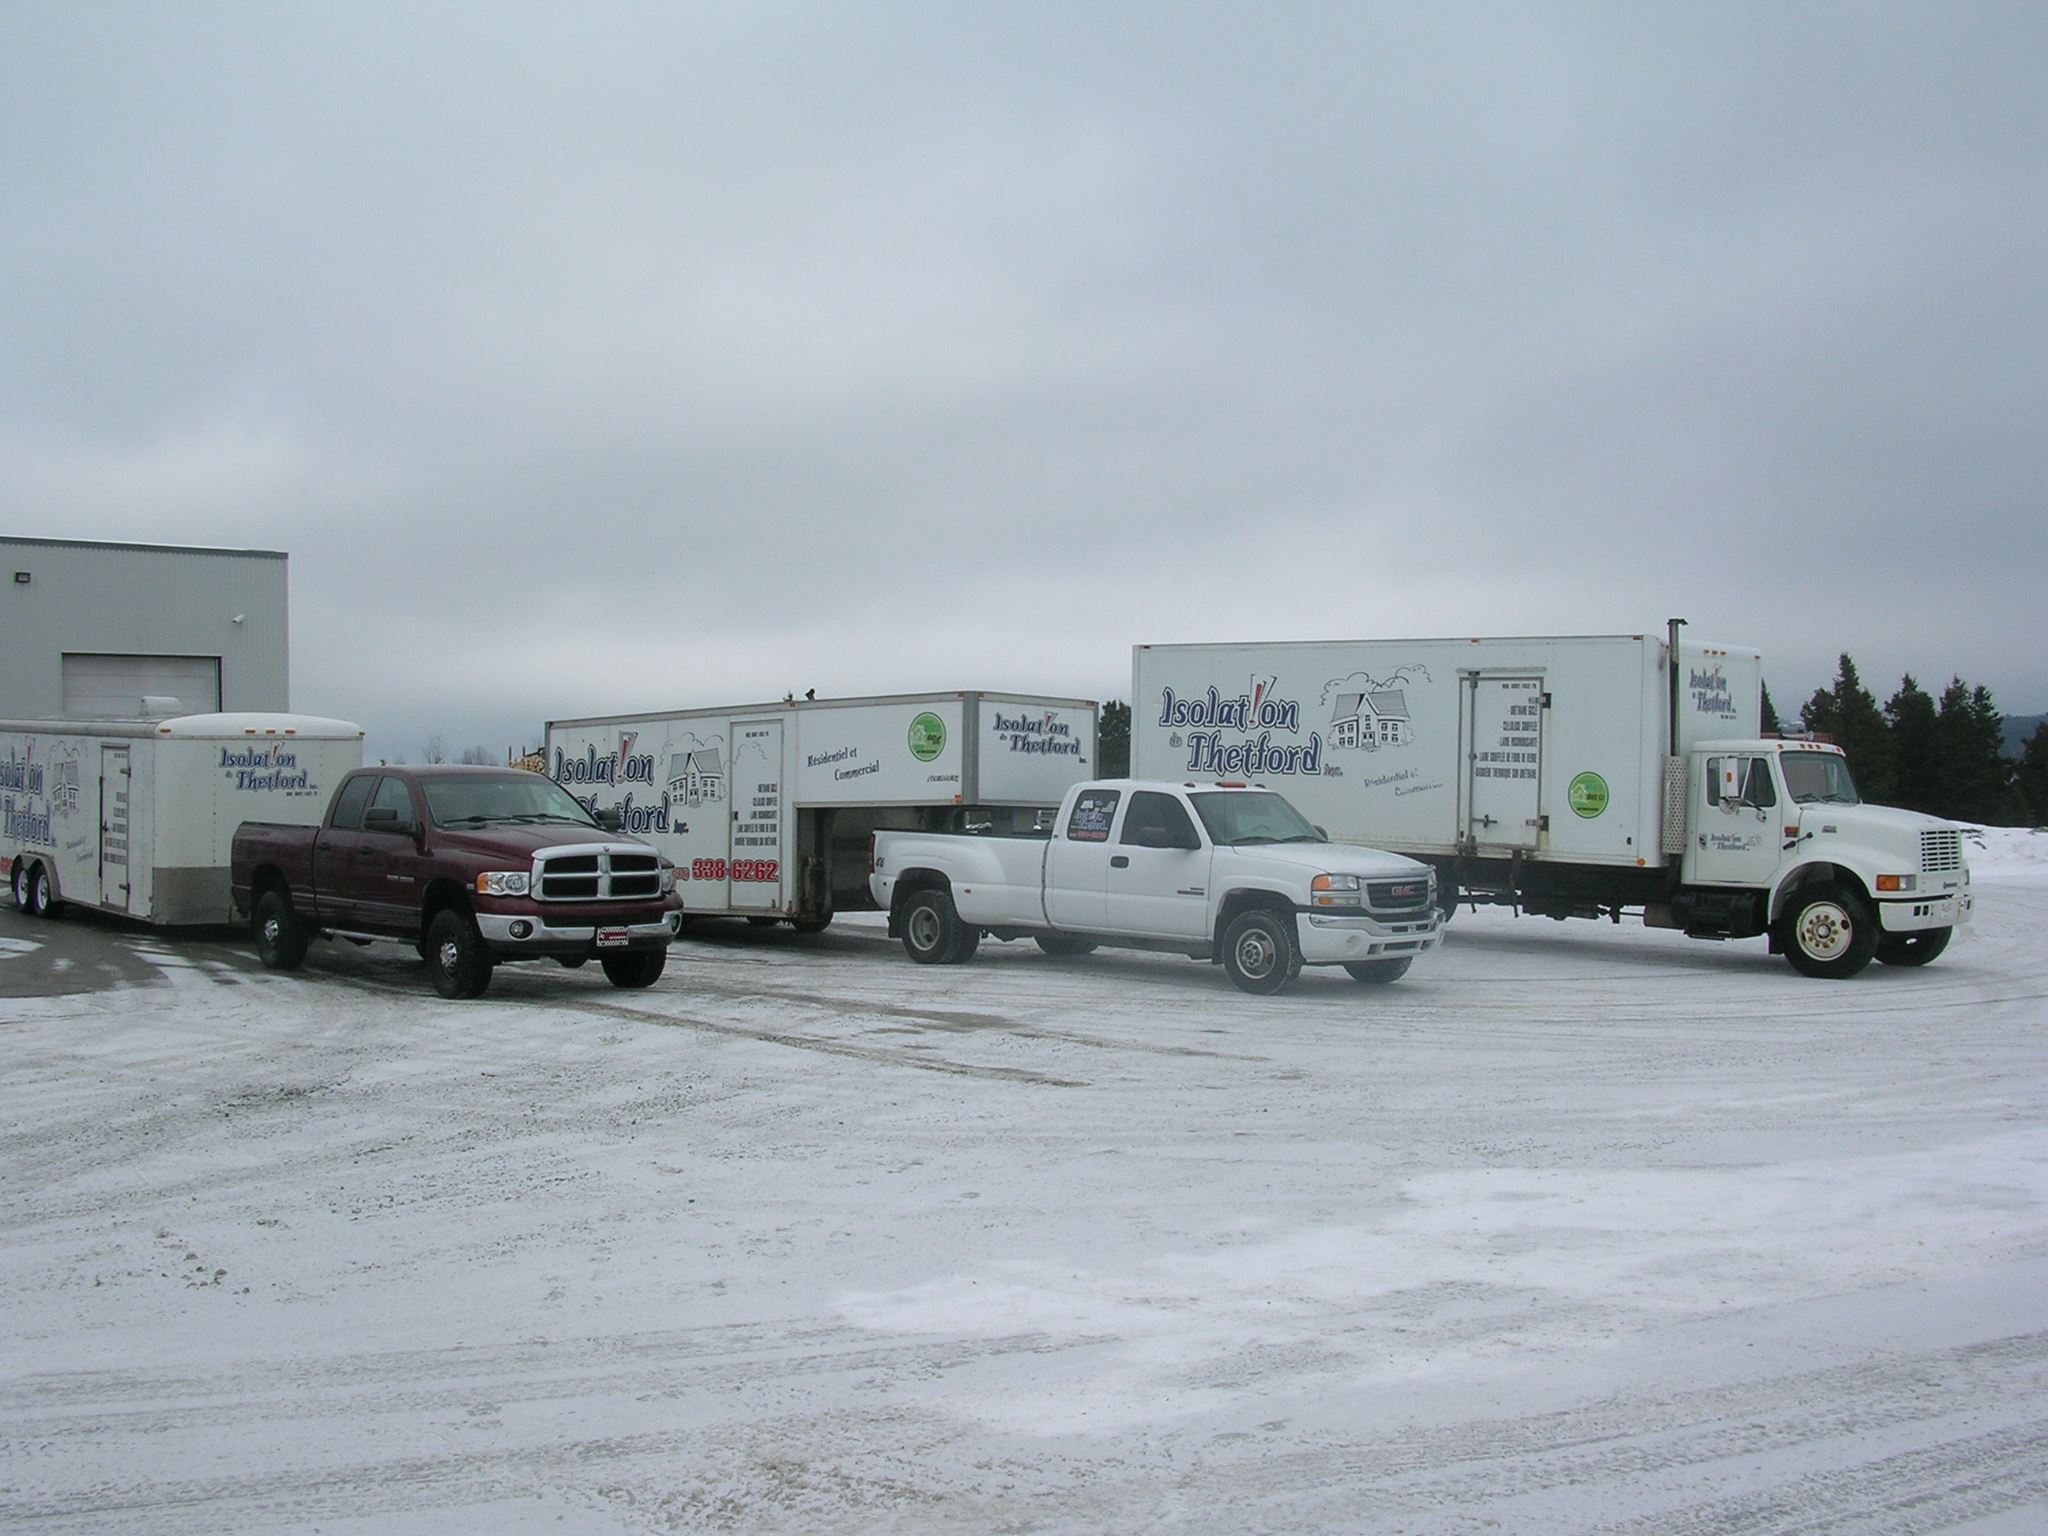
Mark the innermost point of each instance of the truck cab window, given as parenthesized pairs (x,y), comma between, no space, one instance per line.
(1159,814)
(1093,812)
(1819,778)
(392,796)
(348,805)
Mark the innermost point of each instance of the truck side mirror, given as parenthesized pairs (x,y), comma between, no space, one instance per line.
(383,818)
(609,818)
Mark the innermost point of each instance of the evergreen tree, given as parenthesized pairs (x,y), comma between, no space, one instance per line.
(1113,740)
(2033,777)
(1970,742)
(1848,716)
(1917,782)
(1767,720)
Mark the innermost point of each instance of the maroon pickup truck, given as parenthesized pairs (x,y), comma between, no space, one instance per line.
(472,865)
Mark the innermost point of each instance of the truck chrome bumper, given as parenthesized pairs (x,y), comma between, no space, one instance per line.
(500,932)
(1329,940)
(1917,916)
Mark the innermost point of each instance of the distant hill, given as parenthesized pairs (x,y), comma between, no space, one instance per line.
(2017,729)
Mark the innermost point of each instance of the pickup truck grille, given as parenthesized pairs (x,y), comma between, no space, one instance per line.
(606,875)
(1941,850)
(1410,894)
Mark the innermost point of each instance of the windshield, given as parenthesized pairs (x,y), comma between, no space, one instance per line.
(1819,778)
(1236,818)
(474,800)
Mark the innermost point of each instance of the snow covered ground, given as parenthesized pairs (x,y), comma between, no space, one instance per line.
(1579,1229)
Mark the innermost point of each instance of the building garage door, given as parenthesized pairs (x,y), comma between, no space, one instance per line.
(113,687)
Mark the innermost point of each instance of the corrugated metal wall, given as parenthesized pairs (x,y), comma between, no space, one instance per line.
(135,600)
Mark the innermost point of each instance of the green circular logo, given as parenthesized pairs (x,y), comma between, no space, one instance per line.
(1587,795)
(927,737)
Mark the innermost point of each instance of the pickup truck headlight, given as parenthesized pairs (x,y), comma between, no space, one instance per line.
(668,877)
(1335,891)
(504,882)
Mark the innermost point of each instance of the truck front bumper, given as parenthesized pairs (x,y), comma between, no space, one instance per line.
(511,935)
(1330,940)
(1910,916)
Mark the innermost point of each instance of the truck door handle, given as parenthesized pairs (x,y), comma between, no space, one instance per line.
(1120,861)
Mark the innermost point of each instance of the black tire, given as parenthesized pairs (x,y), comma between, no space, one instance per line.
(1377,973)
(456,961)
(1913,948)
(1064,944)
(635,968)
(18,883)
(571,962)
(42,892)
(1827,932)
(763,922)
(965,945)
(811,924)
(1259,952)
(281,938)
(931,928)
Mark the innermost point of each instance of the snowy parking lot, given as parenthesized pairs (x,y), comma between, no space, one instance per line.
(1580,1228)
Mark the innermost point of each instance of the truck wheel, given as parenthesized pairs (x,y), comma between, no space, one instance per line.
(965,945)
(1913,948)
(811,924)
(1377,973)
(636,968)
(931,929)
(280,937)
(456,961)
(1064,944)
(1259,952)
(18,883)
(1827,933)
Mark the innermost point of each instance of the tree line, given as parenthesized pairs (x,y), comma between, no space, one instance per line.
(1943,755)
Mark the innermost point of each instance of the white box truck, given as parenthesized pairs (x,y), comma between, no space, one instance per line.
(138,817)
(1567,776)
(766,809)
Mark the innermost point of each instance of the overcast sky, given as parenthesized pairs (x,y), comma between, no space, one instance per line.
(590,358)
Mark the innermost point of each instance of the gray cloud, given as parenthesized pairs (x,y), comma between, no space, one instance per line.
(633,356)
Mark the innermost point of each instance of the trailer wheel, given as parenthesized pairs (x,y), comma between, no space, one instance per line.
(1913,948)
(1259,952)
(1064,944)
(42,892)
(456,961)
(811,924)
(281,938)
(1377,973)
(1827,933)
(931,929)
(636,968)
(17,883)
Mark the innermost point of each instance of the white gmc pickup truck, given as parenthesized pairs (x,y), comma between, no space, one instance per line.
(1223,872)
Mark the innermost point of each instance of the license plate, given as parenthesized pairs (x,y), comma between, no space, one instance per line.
(611,938)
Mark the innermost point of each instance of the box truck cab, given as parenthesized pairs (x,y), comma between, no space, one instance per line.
(1778,841)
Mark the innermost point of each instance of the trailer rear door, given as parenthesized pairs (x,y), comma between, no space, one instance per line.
(757,777)
(1502,725)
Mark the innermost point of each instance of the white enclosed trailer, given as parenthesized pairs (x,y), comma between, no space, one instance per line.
(766,809)
(138,816)
(1568,776)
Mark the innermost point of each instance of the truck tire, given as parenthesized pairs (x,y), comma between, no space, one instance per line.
(1064,944)
(811,924)
(1913,948)
(18,883)
(1377,973)
(931,929)
(281,938)
(456,961)
(965,945)
(636,968)
(1827,932)
(1259,952)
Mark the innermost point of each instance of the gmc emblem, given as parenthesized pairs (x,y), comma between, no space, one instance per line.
(1405,892)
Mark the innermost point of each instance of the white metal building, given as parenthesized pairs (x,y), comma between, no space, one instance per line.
(96,628)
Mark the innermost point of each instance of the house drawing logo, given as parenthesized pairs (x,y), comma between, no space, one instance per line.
(696,771)
(1370,714)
